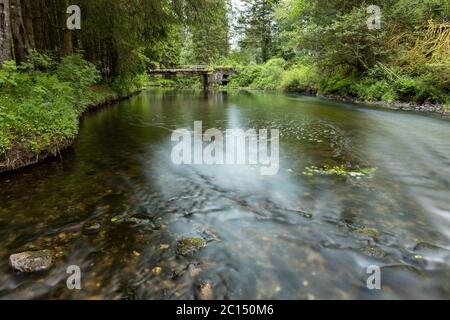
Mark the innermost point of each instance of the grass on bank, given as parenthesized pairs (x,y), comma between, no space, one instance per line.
(42,100)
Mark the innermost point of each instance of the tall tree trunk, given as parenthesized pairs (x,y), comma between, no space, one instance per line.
(67,47)
(28,21)
(37,22)
(21,44)
(5,34)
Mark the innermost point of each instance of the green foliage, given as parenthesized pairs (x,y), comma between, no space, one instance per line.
(137,29)
(371,90)
(407,59)
(270,75)
(257,27)
(128,82)
(78,71)
(245,76)
(39,61)
(209,39)
(419,90)
(337,84)
(39,111)
(81,74)
(301,78)
(9,75)
(408,87)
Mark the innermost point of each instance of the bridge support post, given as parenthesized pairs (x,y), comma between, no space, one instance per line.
(207,80)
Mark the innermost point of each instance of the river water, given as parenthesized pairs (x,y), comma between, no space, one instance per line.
(306,233)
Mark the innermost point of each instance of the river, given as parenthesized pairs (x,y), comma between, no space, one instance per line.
(309,232)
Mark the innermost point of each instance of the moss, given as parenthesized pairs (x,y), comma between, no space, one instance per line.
(373,233)
(190,245)
(374,252)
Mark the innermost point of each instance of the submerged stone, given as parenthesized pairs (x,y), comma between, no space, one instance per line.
(157,270)
(340,171)
(209,235)
(205,291)
(138,221)
(190,245)
(194,270)
(374,252)
(305,214)
(427,247)
(91,228)
(32,261)
(370,232)
(141,221)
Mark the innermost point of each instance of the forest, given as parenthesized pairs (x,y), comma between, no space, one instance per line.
(308,47)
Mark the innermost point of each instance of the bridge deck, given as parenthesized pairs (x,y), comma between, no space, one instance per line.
(180,71)
(209,75)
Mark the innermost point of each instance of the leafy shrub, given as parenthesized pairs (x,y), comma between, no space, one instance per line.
(421,89)
(371,90)
(81,74)
(39,61)
(300,78)
(245,76)
(12,77)
(78,71)
(39,111)
(270,75)
(128,82)
(338,84)
(408,88)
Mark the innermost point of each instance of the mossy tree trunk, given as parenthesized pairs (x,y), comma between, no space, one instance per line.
(20,37)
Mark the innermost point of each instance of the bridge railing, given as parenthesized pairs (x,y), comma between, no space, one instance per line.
(196,67)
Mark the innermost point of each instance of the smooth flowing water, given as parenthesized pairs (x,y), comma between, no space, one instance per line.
(302,234)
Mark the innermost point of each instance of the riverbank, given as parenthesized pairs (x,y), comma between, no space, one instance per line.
(425,90)
(396,105)
(437,108)
(21,155)
(42,101)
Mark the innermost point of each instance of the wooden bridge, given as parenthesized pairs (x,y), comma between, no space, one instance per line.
(210,76)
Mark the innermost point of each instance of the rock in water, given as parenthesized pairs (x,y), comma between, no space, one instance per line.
(188,246)
(91,228)
(32,261)
(205,292)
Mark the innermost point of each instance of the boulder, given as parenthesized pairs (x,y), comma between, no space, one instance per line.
(32,261)
(188,246)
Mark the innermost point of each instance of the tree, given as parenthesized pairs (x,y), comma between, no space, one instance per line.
(5,34)
(19,33)
(209,39)
(117,36)
(257,26)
